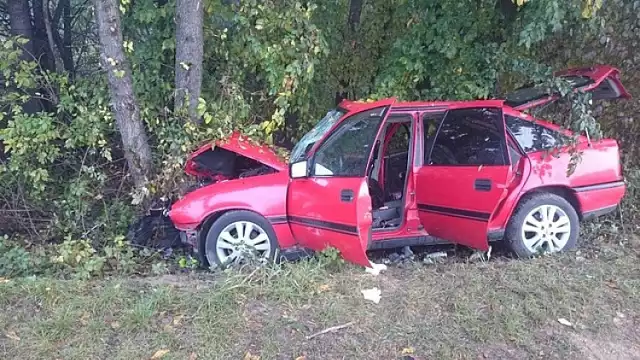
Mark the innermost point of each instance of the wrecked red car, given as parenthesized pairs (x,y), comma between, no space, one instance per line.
(389,174)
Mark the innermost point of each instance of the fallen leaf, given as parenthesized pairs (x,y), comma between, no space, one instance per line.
(564,322)
(193,356)
(373,294)
(159,354)
(115,325)
(612,284)
(4,280)
(177,320)
(248,356)
(12,335)
(408,351)
(323,288)
(301,357)
(84,319)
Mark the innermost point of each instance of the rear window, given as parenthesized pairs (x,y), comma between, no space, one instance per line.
(533,137)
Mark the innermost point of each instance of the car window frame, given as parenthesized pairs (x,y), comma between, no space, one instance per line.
(503,129)
(336,128)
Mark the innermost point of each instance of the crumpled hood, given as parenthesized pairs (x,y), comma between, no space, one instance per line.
(238,144)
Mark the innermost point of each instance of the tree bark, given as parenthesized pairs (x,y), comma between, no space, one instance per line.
(123,100)
(355,9)
(189,53)
(43,51)
(20,22)
(63,43)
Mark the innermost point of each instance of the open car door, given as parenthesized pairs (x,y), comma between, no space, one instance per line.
(464,176)
(602,81)
(328,202)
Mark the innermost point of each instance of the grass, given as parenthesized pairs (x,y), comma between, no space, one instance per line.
(504,308)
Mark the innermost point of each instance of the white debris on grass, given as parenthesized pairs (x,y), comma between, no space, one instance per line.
(373,294)
(375,269)
(565,322)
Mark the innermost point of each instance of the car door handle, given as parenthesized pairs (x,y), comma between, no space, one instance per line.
(482,185)
(346,195)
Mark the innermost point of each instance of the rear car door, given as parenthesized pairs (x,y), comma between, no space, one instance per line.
(331,206)
(464,175)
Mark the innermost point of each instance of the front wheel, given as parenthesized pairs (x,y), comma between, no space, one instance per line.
(238,236)
(543,223)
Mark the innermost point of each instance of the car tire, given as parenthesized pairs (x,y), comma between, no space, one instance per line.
(223,234)
(542,222)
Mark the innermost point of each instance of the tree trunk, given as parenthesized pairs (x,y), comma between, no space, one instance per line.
(41,41)
(123,100)
(63,44)
(189,52)
(355,9)
(20,22)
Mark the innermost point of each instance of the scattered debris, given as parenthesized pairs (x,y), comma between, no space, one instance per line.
(249,356)
(373,294)
(12,335)
(407,252)
(330,330)
(408,350)
(375,269)
(159,354)
(435,257)
(406,255)
(565,322)
(480,256)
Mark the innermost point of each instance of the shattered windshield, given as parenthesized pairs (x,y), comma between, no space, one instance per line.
(305,144)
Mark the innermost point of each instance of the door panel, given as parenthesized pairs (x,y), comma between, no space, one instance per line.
(451,205)
(333,207)
(321,215)
(465,176)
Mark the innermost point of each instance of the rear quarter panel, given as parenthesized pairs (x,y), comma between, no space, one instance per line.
(598,167)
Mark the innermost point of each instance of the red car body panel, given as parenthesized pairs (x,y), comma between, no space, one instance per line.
(309,213)
(242,145)
(598,75)
(319,219)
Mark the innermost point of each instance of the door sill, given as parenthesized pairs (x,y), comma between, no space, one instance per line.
(406,241)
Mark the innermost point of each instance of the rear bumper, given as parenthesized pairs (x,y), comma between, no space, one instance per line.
(599,199)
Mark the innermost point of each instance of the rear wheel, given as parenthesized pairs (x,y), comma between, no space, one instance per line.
(240,236)
(543,223)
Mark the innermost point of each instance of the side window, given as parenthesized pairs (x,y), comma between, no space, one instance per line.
(347,150)
(399,142)
(533,137)
(430,124)
(470,137)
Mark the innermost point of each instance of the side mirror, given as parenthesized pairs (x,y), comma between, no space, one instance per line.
(299,169)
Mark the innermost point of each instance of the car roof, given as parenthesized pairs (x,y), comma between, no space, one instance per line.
(444,105)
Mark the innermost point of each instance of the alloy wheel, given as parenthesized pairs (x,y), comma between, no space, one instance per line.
(547,228)
(241,240)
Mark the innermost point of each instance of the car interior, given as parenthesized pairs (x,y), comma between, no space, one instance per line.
(388,173)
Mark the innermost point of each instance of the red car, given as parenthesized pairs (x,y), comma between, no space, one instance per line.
(388,174)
